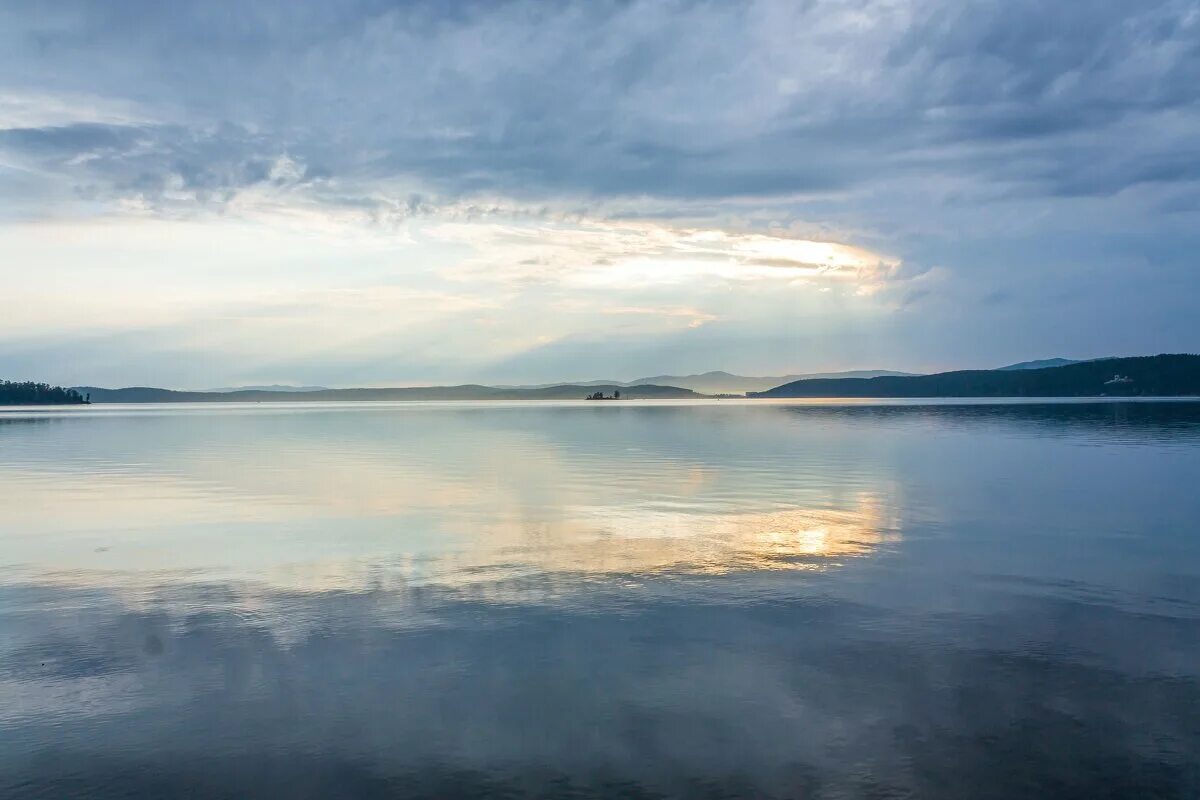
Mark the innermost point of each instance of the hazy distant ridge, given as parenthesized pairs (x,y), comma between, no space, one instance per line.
(666,386)
(719,382)
(272,387)
(147,394)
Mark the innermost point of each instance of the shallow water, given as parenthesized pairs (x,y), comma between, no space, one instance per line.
(639,600)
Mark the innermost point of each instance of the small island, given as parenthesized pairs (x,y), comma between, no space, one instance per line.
(616,395)
(30,393)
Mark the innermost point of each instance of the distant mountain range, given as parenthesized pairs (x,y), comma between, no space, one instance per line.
(726,383)
(1162,375)
(716,382)
(719,382)
(147,394)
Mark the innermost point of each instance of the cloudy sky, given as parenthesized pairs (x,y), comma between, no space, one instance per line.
(365,192)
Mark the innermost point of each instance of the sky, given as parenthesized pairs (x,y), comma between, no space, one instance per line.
(360,193)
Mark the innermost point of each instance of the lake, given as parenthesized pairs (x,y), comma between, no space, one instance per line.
(701,600)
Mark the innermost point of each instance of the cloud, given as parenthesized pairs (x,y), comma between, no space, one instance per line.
(23,109)
(616,254)
(651,155)
(680,100)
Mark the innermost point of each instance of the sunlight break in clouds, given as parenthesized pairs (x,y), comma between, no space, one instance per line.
(629,254)
(431,297)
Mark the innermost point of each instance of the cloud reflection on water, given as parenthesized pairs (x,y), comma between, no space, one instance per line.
(455,499)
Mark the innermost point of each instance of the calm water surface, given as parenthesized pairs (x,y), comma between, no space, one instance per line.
(601,600)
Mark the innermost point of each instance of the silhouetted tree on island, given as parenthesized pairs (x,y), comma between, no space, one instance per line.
(29,393)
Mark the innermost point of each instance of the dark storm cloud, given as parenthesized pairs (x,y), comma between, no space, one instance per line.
(685,100)
(149,161)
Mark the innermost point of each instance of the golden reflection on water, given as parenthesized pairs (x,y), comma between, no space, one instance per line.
(514,562)
(583,542)
(640,541)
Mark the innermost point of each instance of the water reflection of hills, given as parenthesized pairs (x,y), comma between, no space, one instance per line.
(1114,420)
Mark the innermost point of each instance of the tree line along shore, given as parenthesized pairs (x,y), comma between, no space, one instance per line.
(31,393)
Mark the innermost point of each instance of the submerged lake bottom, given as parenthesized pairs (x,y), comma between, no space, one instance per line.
(641,600)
